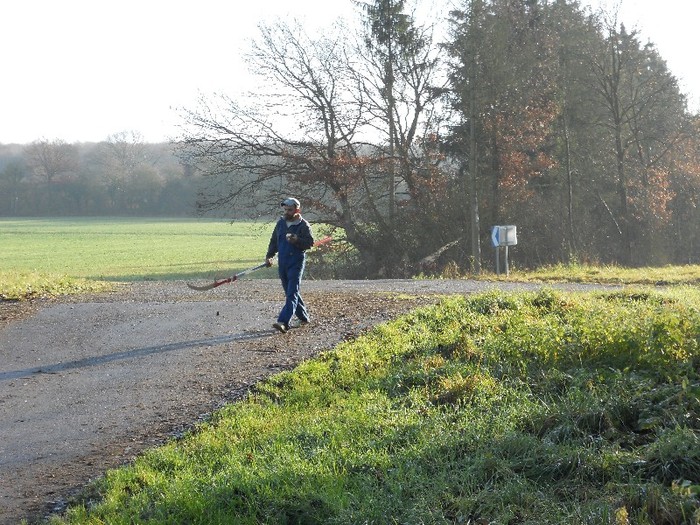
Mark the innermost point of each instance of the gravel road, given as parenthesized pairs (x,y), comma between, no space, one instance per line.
(88,383)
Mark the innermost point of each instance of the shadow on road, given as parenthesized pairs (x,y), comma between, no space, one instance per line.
(130,354)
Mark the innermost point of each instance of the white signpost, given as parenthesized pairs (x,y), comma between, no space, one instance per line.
(503,236)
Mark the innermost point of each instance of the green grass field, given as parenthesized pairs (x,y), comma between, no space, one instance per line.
(61,256)
(118,249)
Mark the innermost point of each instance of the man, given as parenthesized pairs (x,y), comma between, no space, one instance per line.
(290,240)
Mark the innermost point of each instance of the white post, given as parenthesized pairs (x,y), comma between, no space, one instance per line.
(507,269)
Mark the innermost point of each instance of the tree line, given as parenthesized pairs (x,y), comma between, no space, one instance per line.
(537,113)
(120,176)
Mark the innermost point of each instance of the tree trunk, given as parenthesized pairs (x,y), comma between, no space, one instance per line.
(474,193)
(571,241)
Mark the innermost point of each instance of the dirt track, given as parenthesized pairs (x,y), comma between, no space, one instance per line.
(86,384)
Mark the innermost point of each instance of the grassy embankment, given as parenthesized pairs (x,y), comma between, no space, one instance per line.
(545,407)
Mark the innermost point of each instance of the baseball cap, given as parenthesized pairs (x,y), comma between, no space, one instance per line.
(291,201)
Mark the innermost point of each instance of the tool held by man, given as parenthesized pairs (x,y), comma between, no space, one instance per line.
(228,279)
(235,277)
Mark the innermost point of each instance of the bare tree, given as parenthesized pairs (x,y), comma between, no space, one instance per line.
(49,160)
(315,129)
(121,157)
(643,118)
(403,83)
(300,136)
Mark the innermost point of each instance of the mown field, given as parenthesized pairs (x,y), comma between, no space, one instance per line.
(55,256)
(500,408)
(125,249)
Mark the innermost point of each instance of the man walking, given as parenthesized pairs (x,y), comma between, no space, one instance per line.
(290,240)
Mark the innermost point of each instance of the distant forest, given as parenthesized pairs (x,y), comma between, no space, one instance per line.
(120,176)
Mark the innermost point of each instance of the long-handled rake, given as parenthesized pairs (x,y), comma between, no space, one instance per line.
(227,280)
(235,277)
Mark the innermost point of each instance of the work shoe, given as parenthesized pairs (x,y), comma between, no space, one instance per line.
(280,326)
(296,323)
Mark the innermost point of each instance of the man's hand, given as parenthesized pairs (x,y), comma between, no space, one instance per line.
(269,261)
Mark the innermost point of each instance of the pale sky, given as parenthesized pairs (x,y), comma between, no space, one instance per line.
(81,70)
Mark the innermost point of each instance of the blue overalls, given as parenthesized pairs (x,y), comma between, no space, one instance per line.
(291,263)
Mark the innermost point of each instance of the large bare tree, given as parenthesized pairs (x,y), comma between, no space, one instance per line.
(316,128)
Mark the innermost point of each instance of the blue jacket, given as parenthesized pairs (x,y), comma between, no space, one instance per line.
(288,253)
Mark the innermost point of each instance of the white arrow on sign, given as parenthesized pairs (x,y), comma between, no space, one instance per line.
(494,236)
